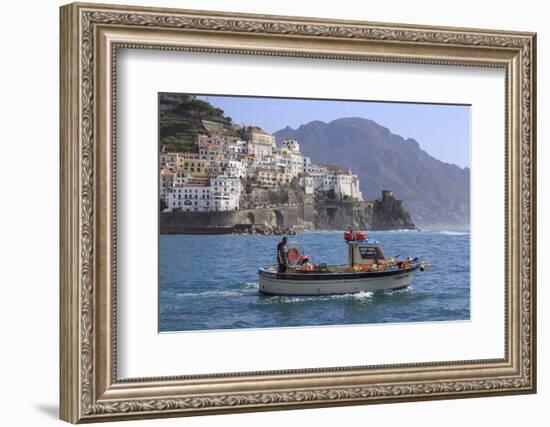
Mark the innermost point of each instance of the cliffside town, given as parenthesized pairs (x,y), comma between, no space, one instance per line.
(236,178)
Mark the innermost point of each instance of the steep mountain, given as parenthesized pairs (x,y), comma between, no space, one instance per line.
(437,194)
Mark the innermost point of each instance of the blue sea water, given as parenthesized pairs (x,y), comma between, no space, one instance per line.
(211,282)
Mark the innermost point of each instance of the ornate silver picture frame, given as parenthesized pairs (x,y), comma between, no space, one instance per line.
(91,390)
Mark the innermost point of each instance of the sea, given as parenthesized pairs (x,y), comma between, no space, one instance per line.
(210,282)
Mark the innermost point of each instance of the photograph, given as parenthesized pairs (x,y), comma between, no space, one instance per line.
(291,212)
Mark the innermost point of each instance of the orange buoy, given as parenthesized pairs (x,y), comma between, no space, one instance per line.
(293,254)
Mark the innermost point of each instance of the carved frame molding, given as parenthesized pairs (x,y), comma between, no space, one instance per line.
(90,37)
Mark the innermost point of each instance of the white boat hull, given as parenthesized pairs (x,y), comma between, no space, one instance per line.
(330,283)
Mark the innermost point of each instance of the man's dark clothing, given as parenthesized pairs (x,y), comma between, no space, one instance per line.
(281,256)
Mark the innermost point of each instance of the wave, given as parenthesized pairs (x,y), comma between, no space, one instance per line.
(362,295)
(275,299)
(398,291)
(250,285)
(245,289)
(239,289)
(453,233)
(224,293)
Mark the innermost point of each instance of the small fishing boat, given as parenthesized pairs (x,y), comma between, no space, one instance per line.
(367,269)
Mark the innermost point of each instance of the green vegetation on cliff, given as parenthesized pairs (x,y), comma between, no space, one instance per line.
(182,117)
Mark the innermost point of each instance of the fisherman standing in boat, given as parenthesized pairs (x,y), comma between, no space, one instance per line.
(281,255)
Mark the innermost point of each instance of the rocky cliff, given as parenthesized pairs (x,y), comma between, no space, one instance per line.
(386,213)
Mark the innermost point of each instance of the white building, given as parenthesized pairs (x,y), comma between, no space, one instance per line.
(292,161)
(291,145)
(317,173)
(307,163)
(205,195)
(231,168)
(190,198)
(225,193)
(259,150)
(236,148)
(269,161)
(314,169)
(345,185)
(250,164)
(166,183)
(306,182)
(211,152)
(296,163)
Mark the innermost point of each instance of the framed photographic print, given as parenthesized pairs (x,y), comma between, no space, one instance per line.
(266,212)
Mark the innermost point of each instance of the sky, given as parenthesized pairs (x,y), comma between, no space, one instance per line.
(442,130)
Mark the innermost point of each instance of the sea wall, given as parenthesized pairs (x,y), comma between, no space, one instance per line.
(385,214)
(261,220)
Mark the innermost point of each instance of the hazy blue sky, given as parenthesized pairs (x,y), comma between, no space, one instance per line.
(443,131)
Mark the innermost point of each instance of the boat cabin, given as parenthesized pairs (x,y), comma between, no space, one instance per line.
(365,252)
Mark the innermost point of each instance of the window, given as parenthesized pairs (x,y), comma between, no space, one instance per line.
(370,253)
